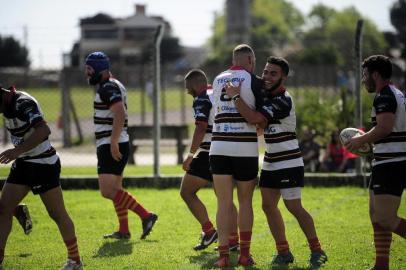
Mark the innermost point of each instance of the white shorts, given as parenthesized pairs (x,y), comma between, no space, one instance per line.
(291,193)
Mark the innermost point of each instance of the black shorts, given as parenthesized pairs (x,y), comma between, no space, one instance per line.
(200,167)
(388,178)
(283,178)
(241,168)
(39,177)
(105,162)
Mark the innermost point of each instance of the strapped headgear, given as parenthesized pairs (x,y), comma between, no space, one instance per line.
(99,62)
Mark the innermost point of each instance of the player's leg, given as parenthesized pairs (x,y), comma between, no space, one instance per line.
(293,202)
(270,200)
(54,203)
(223,185)
(11,196)
(191,184)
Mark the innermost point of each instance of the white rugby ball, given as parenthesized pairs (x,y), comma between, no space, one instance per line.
(347,133)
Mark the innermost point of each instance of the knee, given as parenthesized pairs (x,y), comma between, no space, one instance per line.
(295,210)
(107,193)
(269,208)
(386,223)
(5,211)
(187,194)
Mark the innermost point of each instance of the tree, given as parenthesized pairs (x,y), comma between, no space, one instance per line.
(398,20)
(12,54)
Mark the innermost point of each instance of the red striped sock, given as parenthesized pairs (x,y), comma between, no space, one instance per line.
(401,228)
(245,243)
(282,247)
(208,228)
(73,251)
(127,201)
(1,255)
(314,244)
(122,215)
(224,251)
(382,240)
(233,239)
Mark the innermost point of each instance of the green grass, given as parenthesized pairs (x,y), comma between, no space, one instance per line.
(340,215)
(50,101)
(130,170)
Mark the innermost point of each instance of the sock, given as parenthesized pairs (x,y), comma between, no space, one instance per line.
(122,215)
(314,244)
(233,239)
(282,247)
(401,229)
(125,200)
(382,241)
(73,251)
(208,228)
(1,255)
(245,243)
(224,251)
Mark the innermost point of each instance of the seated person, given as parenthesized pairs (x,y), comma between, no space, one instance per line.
(336,157)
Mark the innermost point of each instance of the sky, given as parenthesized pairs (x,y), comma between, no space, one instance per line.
(50,27)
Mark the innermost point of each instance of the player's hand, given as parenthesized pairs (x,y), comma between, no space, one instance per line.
(9,155)
(354,143)
(115,152)
(186,163)
(232,90)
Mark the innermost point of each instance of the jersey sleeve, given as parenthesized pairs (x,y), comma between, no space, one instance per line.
(385,102)
(276,108)
(110,93)
(28,111)
(201,108)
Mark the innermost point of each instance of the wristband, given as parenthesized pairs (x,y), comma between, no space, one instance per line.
(191,154)
(236,97)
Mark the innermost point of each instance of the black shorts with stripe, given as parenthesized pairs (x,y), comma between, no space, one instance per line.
(38,177)
(200,166)
(241,168)
(106,164)
(388,178)
(283,178)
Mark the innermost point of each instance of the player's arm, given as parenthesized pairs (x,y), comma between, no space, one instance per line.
(118,111)
(384,126)
(198,135)
(41,132)
(252,116)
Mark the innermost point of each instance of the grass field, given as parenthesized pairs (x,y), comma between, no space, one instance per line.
(340,214)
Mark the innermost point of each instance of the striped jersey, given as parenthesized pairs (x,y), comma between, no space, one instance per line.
(202,107)
(21,117)
(108,93)
(282,146)
(392,148)
(232,134)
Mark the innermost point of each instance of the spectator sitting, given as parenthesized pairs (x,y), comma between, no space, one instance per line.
(336,157)
(310,151)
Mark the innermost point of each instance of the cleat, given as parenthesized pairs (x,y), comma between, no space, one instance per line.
(72,265)
(222,262)
(232,248)
(23,216)
(317,259)
(246,261)
(117,235)
(283,259)
(206,240)
(147,224)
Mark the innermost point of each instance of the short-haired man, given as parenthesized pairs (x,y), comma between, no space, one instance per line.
(388,178)
(282,172)
(36,167)
(234,153)
(110,119)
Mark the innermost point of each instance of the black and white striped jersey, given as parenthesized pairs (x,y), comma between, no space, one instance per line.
(203,112)
(392,148)
(108,93)
(21,116)
(232,134)
(282,146)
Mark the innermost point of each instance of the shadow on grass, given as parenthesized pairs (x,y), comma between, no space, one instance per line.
(115,248)
(206,260)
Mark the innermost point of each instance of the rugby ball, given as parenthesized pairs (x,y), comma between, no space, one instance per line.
(347,133)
